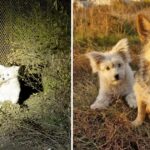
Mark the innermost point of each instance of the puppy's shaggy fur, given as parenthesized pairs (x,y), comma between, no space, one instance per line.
(115,75)
(142,84)
(9,84)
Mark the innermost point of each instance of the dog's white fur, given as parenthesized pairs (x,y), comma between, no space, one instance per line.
(108,65)
(9,84)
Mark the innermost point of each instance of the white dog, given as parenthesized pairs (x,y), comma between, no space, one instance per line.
(9,84)
(115,74)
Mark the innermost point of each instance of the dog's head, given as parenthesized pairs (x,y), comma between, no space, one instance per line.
(143,28)
(111,65)
(7,73)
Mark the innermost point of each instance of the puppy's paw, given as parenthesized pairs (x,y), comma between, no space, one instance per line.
(132,104)
(94,106)
(131,100)
(136,123)
(97,106)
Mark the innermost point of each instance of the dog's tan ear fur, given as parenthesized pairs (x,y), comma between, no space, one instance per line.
(143,27)
(122,48)
(95,59)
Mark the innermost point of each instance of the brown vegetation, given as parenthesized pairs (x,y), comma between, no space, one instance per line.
(99,28)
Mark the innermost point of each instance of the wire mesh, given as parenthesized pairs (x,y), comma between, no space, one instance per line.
(10,11)
(5,25)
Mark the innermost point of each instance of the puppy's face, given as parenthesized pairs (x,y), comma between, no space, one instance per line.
(7,73)
(111,65)
(112,69)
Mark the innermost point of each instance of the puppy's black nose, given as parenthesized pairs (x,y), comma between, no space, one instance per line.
(117,76)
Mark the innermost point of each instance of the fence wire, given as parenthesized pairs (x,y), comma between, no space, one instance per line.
(5,25)
(9,11)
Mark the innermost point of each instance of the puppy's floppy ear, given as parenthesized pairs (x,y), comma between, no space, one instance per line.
(95,59)
(122,48)
(143,27)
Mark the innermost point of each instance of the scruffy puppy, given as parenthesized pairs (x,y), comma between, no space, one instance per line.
(115,75)
(142,84)
(9,84)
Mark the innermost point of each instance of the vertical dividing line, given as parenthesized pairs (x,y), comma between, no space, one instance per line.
(71,74)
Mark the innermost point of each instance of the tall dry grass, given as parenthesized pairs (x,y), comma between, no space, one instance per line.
(102,21)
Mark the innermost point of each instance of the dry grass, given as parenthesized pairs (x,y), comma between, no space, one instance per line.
(105,20)
(99,28)
(109,129)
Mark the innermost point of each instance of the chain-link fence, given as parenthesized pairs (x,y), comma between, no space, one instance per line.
(5,25)
(33,36)
(12,15)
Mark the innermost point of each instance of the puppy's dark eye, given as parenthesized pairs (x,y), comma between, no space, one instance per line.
(119,65)
(107,68)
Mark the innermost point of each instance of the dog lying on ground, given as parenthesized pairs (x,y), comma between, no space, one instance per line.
(9,84)
(142,84)
(115,75)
